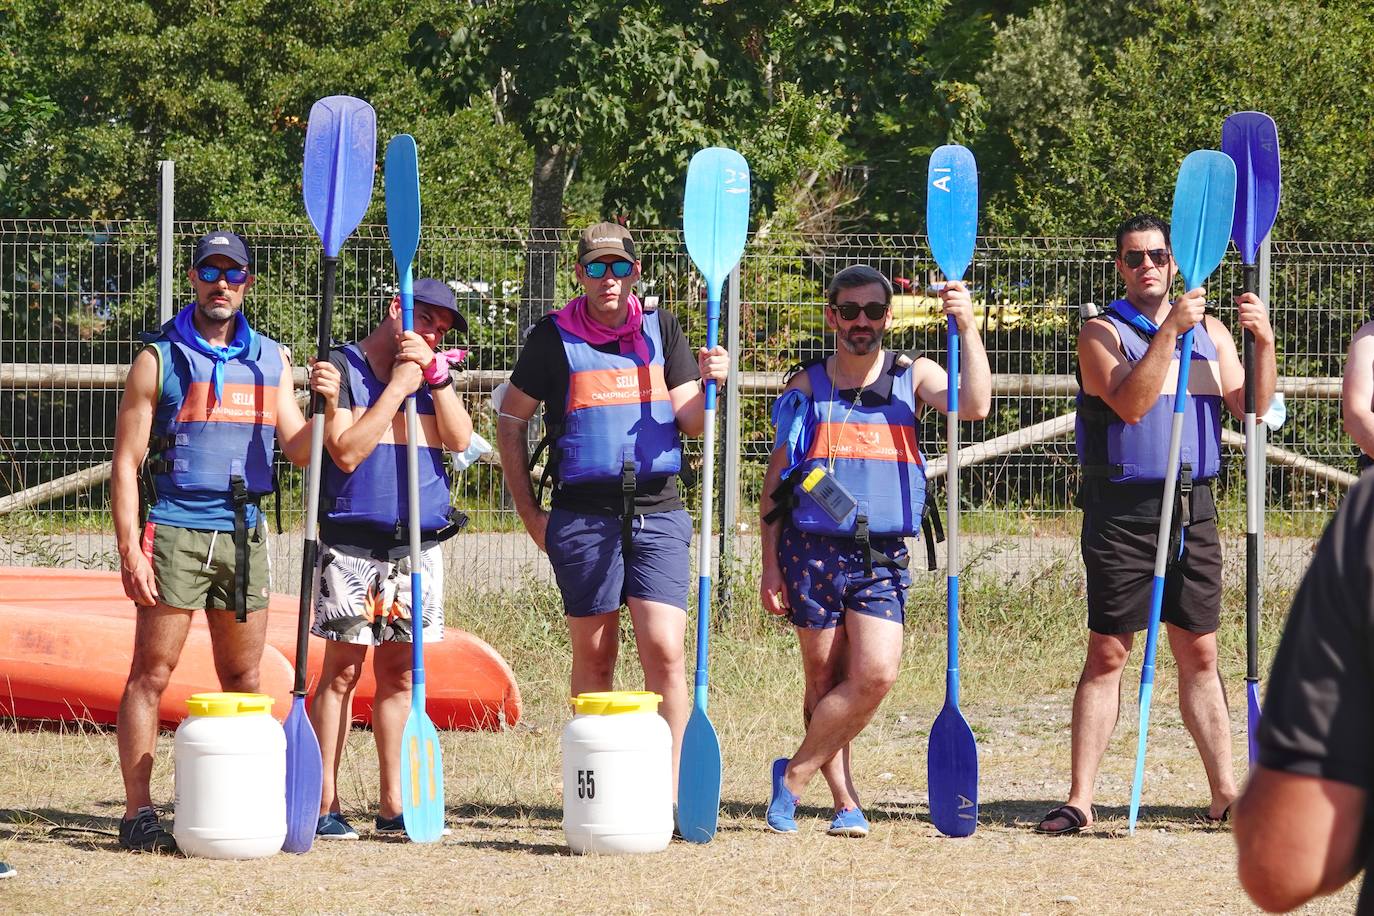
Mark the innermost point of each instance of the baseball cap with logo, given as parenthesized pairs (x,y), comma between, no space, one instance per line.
(229,244)
(604,239)
(440,294)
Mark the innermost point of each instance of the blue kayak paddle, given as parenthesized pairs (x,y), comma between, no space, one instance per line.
(715,221)
(1204,203)
(952,752)
(340,157)
(1251,139)
(422,764)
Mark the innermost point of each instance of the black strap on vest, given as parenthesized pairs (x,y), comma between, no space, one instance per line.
(241,499)
(1183,516)
(457,521)
(627,509)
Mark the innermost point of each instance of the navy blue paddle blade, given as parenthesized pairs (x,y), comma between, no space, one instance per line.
(698,792)
(952,773)
(715,213)
(304,779)
(1252,719)
(1251,139)
(1204,206)
(402,180)
(952,209)
(340,159)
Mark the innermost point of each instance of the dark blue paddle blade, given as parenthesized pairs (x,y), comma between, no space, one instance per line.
(340,159)
(1204,206)
(422,774)
(402,179)
(952,773)
(1252,717)
(952,209)
(304,779)
(715,214)
(698,792)
(1251,139)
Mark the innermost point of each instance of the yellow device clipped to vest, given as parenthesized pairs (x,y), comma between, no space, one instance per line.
(829,494)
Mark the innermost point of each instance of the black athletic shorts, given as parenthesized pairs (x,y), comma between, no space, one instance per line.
(1119,556)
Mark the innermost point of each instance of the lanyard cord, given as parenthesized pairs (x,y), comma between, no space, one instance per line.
(830,412)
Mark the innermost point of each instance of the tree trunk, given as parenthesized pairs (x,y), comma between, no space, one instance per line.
(546,223)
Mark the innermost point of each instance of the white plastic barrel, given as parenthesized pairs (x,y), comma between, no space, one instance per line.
(230,777)
(617,774)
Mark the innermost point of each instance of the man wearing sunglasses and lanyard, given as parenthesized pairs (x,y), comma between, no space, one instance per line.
(845,485)
(204,404)
(619,388)
(1128,371)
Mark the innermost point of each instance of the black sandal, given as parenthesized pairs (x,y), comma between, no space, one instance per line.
(1064,820)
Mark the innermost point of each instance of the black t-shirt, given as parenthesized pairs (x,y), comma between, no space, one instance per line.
(1319,706)
(542,372)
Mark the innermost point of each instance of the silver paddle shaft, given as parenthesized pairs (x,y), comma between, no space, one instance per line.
(1166,509)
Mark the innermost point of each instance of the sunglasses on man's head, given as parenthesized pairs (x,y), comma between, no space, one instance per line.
(1136,256)
(597,269)
(849,311)
(210,274)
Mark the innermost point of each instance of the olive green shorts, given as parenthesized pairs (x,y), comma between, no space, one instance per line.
(194,569)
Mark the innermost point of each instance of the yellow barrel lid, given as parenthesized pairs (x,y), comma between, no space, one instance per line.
(229,704)
(614,702)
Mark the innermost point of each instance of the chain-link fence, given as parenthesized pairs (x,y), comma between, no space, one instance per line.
(75,296)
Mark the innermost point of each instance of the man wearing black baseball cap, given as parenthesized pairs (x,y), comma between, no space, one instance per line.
(620,387)
(205,405)
(364,594)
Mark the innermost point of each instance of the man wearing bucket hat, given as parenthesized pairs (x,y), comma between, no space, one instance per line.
(204,406)
(619,387)
(845,485)
(364,567)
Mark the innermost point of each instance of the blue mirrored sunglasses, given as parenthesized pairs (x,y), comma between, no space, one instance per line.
(210,274)
(597,269)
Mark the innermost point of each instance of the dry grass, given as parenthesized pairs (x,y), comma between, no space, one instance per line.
(1022,645)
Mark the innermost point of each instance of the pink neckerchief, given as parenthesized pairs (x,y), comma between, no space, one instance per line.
(574,319)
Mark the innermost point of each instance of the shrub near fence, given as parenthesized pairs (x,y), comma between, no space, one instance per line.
(75,296)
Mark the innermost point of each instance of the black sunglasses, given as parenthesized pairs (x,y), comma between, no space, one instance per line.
(849,311)
(1135,257)
(211,274)
(597,269)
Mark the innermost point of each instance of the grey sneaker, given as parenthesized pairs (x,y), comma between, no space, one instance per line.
(144,833)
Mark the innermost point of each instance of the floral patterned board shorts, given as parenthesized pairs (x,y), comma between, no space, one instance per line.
(825,579)
(366,601)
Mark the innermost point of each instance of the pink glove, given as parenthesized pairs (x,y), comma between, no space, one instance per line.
(437,371)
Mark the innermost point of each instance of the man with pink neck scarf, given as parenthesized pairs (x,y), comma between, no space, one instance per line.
(619,386)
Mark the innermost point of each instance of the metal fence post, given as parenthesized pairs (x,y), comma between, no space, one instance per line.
(165,205)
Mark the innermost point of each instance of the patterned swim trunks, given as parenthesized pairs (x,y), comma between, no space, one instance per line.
(366,601)
(825,579)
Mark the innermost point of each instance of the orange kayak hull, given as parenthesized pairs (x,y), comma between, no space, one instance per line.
(468,685)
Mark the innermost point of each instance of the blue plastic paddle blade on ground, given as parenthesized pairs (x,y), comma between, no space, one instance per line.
(698,793)
(1147,693)
(402,178)
(1204,208)
(715,214)
(304,779)
(422,773)
(952,204)
(340,159)
(1252,717)
(1251,139)
(952,773)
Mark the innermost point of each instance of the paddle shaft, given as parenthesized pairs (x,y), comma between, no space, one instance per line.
(708,478)
(417,603)
(310,556)
(952,520)
(1254,476)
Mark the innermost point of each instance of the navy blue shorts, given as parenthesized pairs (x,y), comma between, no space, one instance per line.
(591,573)
(825,579)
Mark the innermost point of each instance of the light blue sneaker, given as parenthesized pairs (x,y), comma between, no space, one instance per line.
(849,822)
(782,804)
(332,826)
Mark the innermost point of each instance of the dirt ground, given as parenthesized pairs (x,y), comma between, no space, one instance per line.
(506,852)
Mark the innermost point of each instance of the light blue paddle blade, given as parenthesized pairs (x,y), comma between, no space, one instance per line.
(952,209)
(715,214)
(1251,139)
(340,159)
(698,793)
(952,773)
(1204,207)
(1147,694)
(402,171)
(304,779)
(422,774)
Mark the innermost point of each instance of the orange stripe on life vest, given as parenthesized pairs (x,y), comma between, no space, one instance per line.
(609,387)
(242,403)
(874,441)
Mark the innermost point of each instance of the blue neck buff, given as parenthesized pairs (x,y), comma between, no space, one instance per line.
(242,340)
(1132,316)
